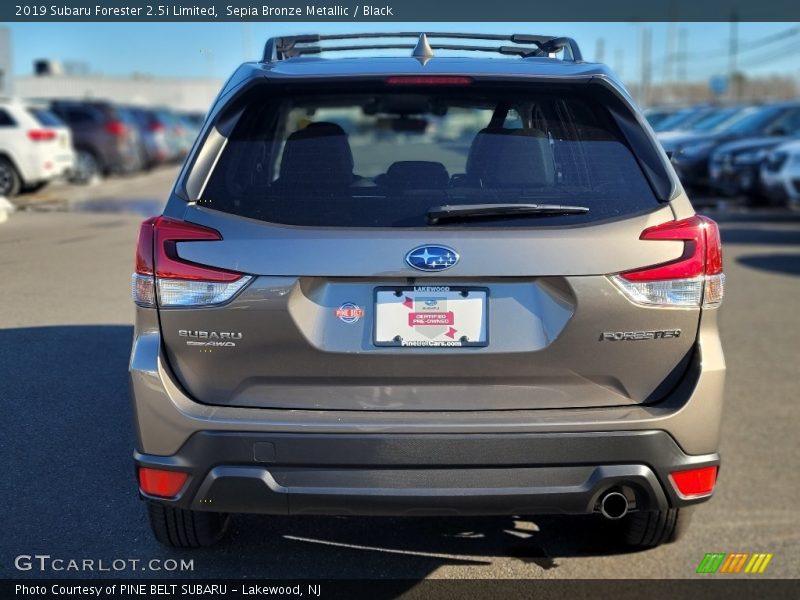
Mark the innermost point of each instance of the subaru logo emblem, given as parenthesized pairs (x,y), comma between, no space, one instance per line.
(432,258)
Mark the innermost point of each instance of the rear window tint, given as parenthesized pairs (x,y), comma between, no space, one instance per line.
(78,115)
(127,116)
(143,117)
(382,158)
(5,119)
(45,118)
(166,117)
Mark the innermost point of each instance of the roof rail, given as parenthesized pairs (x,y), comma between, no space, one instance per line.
(281,48)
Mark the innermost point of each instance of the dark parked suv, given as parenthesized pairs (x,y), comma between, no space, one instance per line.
(426,286)
(105,137)
(694,153)
(153,145)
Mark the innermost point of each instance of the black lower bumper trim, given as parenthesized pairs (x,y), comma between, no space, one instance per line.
(426,474)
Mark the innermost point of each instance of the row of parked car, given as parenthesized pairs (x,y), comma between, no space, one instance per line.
(81,140)
(734,150)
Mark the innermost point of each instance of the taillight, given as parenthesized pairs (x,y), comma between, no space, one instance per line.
(162,278)
(694,483)
(428,80)
(41,135)
(116,128)
(694,279)
(160,482)
(156,126)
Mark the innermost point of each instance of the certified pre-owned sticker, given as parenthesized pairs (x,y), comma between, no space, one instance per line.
(349,312)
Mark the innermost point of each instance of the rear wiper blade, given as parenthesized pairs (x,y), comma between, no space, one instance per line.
(437,214)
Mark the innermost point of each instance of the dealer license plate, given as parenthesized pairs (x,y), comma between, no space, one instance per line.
(431,316)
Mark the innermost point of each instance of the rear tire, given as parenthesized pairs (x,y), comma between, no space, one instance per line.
(34,187)
(648,529)
(181,528)
(87,168)
(10,182)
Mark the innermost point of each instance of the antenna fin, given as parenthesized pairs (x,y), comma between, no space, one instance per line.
(422,51)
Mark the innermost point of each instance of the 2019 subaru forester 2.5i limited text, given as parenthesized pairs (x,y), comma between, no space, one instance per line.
(426,286)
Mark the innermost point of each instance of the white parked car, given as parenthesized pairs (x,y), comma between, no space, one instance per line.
(780,173)
(35,147)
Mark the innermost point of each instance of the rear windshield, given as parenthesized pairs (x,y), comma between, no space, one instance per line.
(755,122)
(77,114)
(680,119)
(127,116)
(45,118)
(385,158)
(716,119)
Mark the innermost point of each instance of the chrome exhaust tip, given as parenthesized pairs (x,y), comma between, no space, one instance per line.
(614,505)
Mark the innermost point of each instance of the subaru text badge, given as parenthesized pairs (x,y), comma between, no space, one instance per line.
(432,258)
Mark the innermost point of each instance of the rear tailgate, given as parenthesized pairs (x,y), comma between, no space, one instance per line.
(286,342)
(321,193)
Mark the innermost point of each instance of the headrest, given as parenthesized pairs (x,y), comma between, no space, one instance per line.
(318,155)
(502,157)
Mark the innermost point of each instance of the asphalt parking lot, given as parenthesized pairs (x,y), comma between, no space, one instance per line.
(69,491)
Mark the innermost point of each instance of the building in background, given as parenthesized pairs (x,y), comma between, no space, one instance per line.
(73,79)
(56,80)
(672,79)
(5,62)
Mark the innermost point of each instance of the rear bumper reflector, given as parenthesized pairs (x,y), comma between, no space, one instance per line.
(161,483)
(694,483)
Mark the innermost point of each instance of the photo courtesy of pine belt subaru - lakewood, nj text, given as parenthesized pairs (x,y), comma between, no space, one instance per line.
(426,285)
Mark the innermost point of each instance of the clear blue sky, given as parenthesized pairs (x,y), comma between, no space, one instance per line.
(214,49)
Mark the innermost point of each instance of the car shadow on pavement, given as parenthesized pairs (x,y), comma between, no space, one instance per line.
(145,207)
(416,546)
(771,215)
(68,439)
(760,235)
(784,264)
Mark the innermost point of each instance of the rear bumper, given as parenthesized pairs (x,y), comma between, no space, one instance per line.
(64,163)
(166,417)
(279,461)
(782,185)
(425,474)
(114,157)
(42,166)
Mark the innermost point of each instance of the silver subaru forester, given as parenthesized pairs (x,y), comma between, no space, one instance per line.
(426,285)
